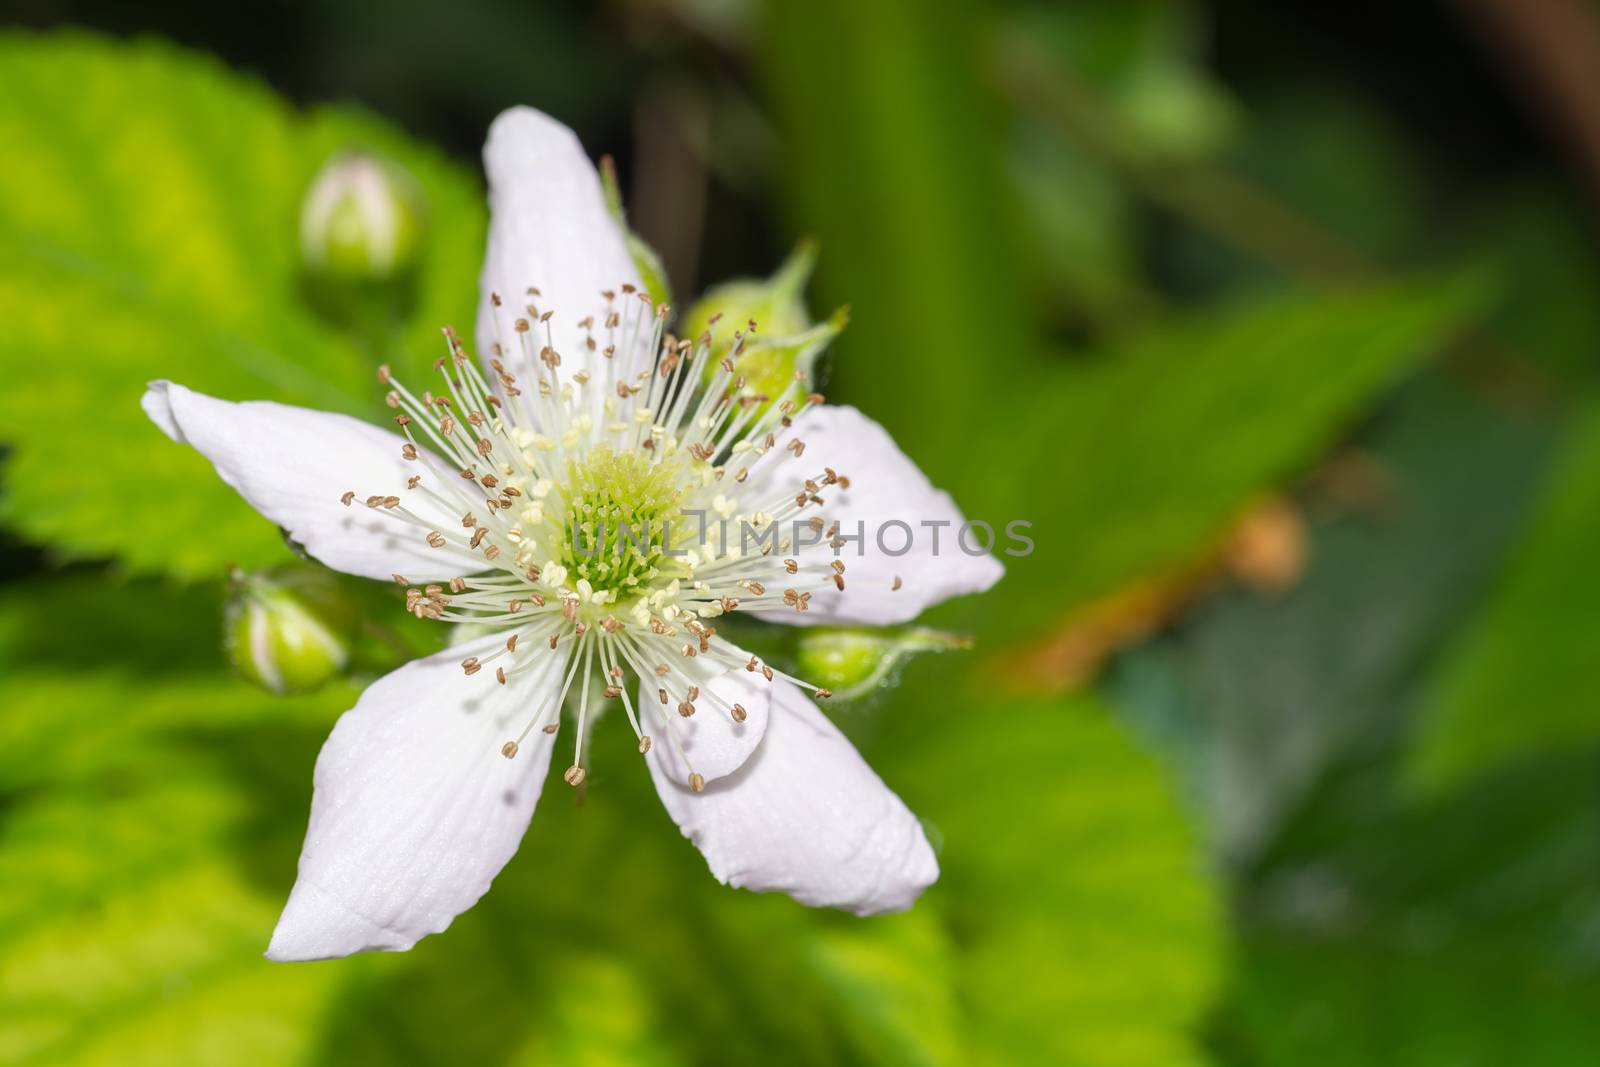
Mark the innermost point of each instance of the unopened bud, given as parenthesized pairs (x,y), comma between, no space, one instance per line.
(778,357)
(361,233)
(289,629)
(852,661)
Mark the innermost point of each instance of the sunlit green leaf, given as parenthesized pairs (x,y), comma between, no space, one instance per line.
(1088,931)
(151,234)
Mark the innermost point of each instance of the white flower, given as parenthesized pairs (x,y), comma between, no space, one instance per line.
(585,415)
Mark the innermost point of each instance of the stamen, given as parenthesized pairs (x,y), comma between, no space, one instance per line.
(570,492)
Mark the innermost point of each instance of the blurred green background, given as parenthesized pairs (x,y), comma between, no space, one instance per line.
(1278,322)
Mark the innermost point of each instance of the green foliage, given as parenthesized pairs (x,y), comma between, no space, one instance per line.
(1088,936)
(143,855)
(1260,699)
(152,805)
(1521,681)
(1168,435)
(152,235)
(1376,925)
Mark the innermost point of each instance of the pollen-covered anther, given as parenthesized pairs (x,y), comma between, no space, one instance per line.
(575,775)
(552,728)
(436,539)
(471,665)
(509,749)
(697,782)
(349,496)
(400,579)
(738,712)
(644,743)
(685,709)
(824,694)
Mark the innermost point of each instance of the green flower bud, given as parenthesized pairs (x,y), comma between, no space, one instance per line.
(361,235)
(778,358)
(289,629)
(852,661)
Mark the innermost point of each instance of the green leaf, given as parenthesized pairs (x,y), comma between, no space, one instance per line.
(129,931)
(1460,930)
(152,235)
(1088,931)
(1340,1002)
(1521,681)
(1259,698)
(1135,461)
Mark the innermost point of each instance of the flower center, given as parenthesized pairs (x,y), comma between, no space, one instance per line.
(623,515)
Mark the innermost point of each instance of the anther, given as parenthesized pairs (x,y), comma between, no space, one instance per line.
(644,744)
(697,782)
(509,749)
(739,713)
(575,775)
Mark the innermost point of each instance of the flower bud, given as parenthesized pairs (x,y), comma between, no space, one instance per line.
(361,232)
(289,629)
(779,356)
(852,661)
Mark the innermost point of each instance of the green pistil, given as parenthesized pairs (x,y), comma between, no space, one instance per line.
(624,509)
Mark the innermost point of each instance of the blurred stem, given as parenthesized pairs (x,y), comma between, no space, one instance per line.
(1228,208)
(671,131)
(1553,46)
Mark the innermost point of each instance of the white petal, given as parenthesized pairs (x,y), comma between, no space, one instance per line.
(415,808)
(709,742)
(548,229)
(293,464)
(806,816)
(886,489)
